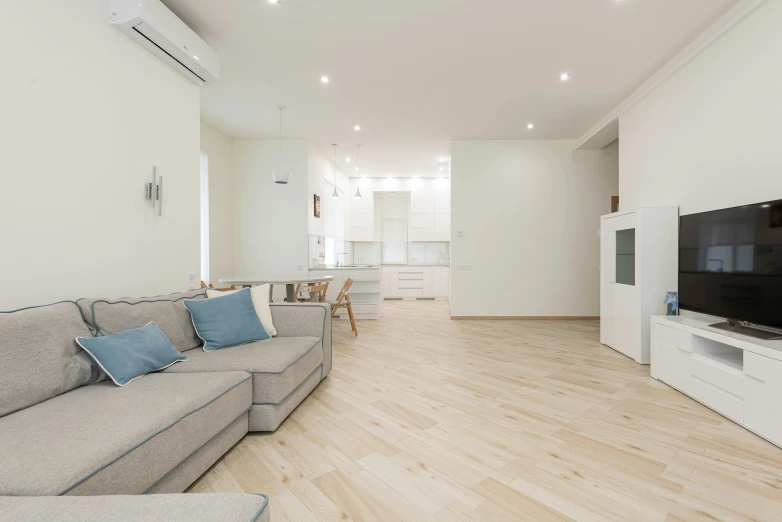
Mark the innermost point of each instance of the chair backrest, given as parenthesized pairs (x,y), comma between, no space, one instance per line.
(344,291)
(318,290)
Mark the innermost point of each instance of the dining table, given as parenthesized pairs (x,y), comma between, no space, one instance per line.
(290,283)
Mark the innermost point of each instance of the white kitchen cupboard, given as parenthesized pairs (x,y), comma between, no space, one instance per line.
(442,196)
(442,227)
(638,265)
(422,195)
(430,282)
(737,376)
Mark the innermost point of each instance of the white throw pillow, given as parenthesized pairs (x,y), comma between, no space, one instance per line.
(260,296)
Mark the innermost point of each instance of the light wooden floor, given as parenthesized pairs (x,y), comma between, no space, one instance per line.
(424,418)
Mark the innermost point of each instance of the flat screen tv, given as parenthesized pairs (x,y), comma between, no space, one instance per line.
(730,265)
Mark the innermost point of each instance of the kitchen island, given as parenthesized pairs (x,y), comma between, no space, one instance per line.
(365,294)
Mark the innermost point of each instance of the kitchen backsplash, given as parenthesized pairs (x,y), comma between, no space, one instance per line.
(324,251)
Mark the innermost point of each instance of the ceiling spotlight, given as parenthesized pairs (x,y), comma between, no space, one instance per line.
(356,169)
(564,77)
(323,79)
(347,159)
(274,1)
(765,206)
(441,169)
(530,126)
(357,128)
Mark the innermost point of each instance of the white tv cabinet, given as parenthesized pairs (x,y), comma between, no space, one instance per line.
(737,376)
(638,265)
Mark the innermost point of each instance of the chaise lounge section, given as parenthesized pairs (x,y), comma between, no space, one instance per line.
(68,431)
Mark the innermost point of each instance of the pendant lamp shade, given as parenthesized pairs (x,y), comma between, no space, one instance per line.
(358,183)
(335,195)
(280,175)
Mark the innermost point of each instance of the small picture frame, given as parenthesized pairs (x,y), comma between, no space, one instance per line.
(316,206)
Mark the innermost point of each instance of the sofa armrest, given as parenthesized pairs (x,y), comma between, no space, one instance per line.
(305,320)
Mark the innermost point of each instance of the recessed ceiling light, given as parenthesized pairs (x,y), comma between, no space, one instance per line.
(357,128)
(764,206)
(274,1)
(323,79)
(564,77)
(356,169)
(530,126)
(347,159)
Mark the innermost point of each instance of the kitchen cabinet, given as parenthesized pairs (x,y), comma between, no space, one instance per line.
(442,196)
(442,227)
(416,282)
(422,196)
(421,234)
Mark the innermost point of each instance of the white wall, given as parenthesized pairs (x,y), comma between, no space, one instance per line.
(85,113)
(334,219)
(219,148)
(270,220)
(710,136)
(530,213)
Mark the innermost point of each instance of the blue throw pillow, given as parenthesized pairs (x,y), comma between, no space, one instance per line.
(227,321)
(126,356)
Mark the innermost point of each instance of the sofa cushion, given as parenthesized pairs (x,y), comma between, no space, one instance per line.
(107,316)
(226,321)
(278,365)
(131,354)
(260,295)
(106,440)
(172,508)
(39,357)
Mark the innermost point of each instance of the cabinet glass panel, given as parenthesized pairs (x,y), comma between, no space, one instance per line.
(625,257)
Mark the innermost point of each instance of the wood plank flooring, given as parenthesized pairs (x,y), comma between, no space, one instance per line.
(424,418)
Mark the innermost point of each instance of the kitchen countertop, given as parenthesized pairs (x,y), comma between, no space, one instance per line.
(363,267)
(375,267)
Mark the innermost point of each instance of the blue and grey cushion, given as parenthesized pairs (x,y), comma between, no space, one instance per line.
(126,356)
(228,321)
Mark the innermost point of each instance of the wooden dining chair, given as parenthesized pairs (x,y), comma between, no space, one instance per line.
(318,291)
(343,301)
(211,286)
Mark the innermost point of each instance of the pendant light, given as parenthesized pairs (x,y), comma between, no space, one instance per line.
(335,195)
(358,184)
(280,175)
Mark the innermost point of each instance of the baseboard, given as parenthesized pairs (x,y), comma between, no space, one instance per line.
(523,318)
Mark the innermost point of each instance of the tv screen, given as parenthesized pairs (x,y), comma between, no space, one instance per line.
(730,263)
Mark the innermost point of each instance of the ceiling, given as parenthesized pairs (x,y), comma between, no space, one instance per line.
(417,74)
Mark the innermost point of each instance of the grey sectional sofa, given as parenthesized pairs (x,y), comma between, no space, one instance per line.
(67,430)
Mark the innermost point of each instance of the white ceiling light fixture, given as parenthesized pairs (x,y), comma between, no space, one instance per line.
(358,184)
(530,126)
(324,79)
(280,175)
(564,77)
(357,128)
(335,195)
(347,158)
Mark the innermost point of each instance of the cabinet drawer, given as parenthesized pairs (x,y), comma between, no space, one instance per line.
(761,409)
(409,292)
(404,275)
(407,283)
(717,375)
(673,337)
(673,366)
(763,368)
(411,270)
(720,401)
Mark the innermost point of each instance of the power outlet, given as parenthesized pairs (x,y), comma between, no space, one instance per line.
(191,281)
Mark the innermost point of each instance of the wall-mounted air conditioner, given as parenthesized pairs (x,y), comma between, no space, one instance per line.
(154,26)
